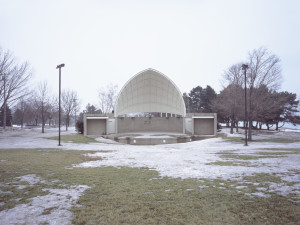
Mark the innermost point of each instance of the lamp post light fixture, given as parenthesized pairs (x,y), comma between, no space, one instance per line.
(245,67)
(59,67)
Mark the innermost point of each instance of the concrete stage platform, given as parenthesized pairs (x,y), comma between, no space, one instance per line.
(155,138)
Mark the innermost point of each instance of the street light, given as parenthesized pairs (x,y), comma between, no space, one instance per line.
(245,67)
(4,102)
(59,67)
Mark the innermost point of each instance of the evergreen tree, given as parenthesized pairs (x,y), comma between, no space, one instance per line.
(91,109)
(195,99)
(200,99)
(207,96)
(288,109)
(186,100)
(18,117)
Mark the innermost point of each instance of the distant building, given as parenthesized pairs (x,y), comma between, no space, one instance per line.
(150,102)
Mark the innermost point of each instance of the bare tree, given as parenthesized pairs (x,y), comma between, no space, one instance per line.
(77,104)
(228,105)
(69,98)
(230,100)
(15,76)
(107,98)
(23,112)
(42,101)
(264,70)
(234,75)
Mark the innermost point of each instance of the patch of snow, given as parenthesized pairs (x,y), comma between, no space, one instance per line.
(258,194)
(20,187)
(182,160)
(203,186)
(6,192)
(283,189)
(49,209)
(261,189)
(31,138)
(105,140)
(291,177)
(30,178)
(290,130)
(241,187)
(189,160)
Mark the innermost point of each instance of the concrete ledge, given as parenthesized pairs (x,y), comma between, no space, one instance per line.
(155,138)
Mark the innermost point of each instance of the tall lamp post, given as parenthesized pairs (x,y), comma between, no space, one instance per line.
(4,102)
(59,67)
(245,67)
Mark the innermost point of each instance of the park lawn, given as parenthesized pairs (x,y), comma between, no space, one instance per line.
(272,140)
(139,195)
(74,138)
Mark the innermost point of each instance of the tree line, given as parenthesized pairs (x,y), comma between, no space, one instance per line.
(265,104)
(21,104)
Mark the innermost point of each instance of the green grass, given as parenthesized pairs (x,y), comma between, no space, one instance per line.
(234,139)
(74,138)
(278,140)
(276,153)
(279,151)
(273,140)
(233,159)
(230,163)
(262,178)
(245,157)
(140,196)
(46,163)
(291,150)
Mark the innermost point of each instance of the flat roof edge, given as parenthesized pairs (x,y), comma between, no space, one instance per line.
(96,117)
(203,117)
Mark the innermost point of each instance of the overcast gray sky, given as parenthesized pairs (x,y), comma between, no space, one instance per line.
(192,42)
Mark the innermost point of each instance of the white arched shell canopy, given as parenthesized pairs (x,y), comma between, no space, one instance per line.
(150,91)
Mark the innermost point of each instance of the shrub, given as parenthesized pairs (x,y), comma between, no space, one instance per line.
(79,126)
(219,127)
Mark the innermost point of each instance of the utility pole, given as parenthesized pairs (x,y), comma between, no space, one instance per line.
(245,67)
(59,67)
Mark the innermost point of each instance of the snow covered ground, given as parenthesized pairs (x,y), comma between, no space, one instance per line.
(56,204)
(184,160)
